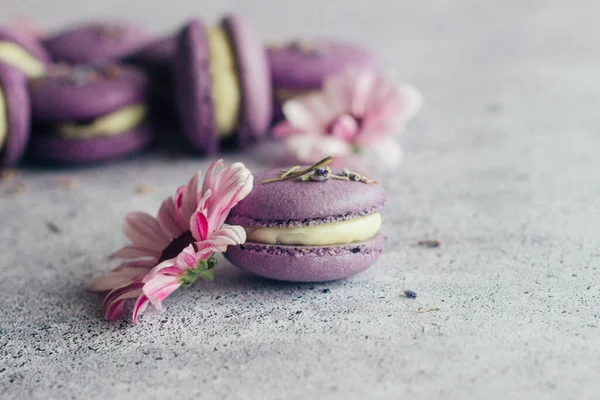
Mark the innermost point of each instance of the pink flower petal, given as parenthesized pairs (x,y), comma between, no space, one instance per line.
(144,231)
(178,200)
(362,94)
(210,178)
(159,288)
(199,226)
(284,129)
(166,267)
(228,187)
(228,235)
(168,221)
(135,252)
(141,263)
(112,304)
(312,148)
(203,200)
(187,258)
(336,93)
(117,278)
(299,115)
(140,306)
(190,199)
(344,127)
(115,310)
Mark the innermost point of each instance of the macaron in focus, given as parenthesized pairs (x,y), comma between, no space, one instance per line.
(222,84)
(23,53)
(96,42)
(309,229)
(84,114)
(14,115)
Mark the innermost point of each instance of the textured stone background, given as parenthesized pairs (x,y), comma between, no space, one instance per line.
(502,165)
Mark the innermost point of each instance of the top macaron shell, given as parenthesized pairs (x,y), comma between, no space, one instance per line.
(292,202)
(14,89)
(305,64)
(30,45)
(255,79)
(192,88)
(95,42)
(56,98)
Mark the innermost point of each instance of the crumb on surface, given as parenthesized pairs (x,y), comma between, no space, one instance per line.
(8,175)
(425,310)
(53,227)
(18,188)
(493,108)
(430,243)
(142,189)
(67,182)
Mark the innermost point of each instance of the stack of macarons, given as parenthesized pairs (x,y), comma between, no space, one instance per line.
(96,91)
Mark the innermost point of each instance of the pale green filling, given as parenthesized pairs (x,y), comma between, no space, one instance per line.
(112,124)
(18,57)
(354,230)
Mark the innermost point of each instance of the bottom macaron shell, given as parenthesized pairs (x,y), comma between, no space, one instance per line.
(66,151)
(306,263)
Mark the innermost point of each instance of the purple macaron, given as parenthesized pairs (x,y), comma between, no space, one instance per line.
(156,59)
(301,66)
(194,80)
(14,133)
(95,42)
(33,59)
(306,230)
(85,114)
(157,56)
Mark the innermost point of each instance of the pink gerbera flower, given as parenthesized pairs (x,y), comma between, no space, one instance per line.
(356,110)
(177,247)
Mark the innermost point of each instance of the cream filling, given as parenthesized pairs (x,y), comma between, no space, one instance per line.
(354,230)
(112,124)
(226,94)
(283,95)
(3,120)
(13,54)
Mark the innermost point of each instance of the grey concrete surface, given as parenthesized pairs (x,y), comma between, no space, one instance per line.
(502,165)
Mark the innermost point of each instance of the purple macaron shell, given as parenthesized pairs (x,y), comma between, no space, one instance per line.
(14,89)
(306,263)
(305,65)
(158,54)
(98,41)
(62,97)
(296,203)
(192,87)
(255,80)
(29,44)
(59,150)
